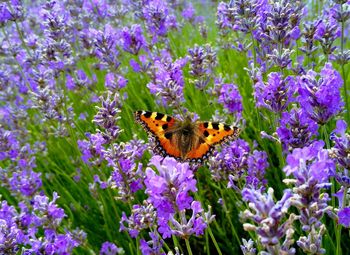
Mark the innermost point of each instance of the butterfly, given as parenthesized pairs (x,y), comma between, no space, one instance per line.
(184,140)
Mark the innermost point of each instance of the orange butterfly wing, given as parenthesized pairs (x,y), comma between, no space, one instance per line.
(157,123)
(212,133)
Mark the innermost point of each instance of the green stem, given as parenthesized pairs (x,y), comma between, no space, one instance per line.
(188,247)
(214,240)
(254,52)
(234,232)
(343,69)
(207,242)
(346,95)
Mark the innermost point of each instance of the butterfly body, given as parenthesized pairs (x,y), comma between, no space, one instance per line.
(185,140)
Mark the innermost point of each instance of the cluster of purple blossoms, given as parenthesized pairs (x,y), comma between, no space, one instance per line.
(132,39)
(311,167)
(35,228)
(326,33)
(239,15)
(127,175)
(296,129)
(202,62)
(142,217)
(93,149)
(123,158)
(273,25)
(168,81)
(340,153)
(230,98)
(341,147)
(158,19)
(110,249)
(169,193)
(276,93)
(169,200)
(189,14)
(275,234)
(236,161)
(18,164)
(319,94)
(105,47)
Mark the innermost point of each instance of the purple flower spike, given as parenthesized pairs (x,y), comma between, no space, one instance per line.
(132,39)
(310,164)
(105,43)
(296,129)
(236,162)
(168,192)
(344,217)
(158,19)
(153,246)
(276,94)
(340,150)
(168,81)
(110,249)
(142,217)
(36,228)
(267,216)
(231,99)
(107,117)
(202,62)
(311,168)
(326,33)
(320,94)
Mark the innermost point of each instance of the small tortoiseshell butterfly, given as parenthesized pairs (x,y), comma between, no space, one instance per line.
(184,140)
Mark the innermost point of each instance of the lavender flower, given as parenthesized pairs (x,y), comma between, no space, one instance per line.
(276,94)
(110,249)
(105,43)
(267,216)
(189,13)
(239,15)
(340,153)
(168,82)
(257,164)
(154,246)
(320,94)
(326,33)
(127,174)
(158,19)
(132,39)
(296,129)
(248,247)
(231,99)
(225,17)
(236,162)
(311,168)
(308,38)
(92,150)
(232,160)
(169,194)
(202,62)
(283,19)
(142,217)
(107,117)
(344,217)
(115,82)
(340,150)
(36,228)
